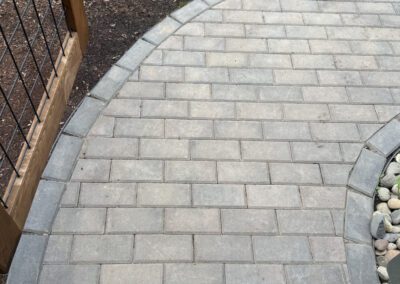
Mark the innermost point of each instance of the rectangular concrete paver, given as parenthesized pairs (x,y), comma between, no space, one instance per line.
(102,249)
(270,249)
(223,248)
(131,273)
(163,248)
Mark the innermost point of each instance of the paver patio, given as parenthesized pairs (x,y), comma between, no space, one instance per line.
(224,157)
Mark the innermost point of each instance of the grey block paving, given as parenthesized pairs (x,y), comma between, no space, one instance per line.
(181,273)
(223,248)
(224,147)
(107,194)
(269,249)
(131,273)
(70,274)
(298,274)
(102,249)
(163,248)
(254,273)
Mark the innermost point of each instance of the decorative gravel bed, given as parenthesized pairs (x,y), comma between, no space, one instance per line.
(385,224)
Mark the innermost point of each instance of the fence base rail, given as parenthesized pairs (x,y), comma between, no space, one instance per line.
(21,194)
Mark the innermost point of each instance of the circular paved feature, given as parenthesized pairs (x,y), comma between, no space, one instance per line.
(225,156)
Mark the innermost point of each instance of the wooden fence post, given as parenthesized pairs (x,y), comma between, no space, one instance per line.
(9,236)
(77,21)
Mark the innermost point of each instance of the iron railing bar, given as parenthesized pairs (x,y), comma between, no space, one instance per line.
(22,66)
(19,72)
(44,36)
(14,116)
(26,103)
(15,30)
(55,24)
(9,160)
(30,49)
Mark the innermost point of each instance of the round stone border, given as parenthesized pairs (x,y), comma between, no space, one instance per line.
(362,182)
(27,261)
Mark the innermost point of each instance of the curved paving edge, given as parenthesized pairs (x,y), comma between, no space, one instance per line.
(28,257)
(362,182)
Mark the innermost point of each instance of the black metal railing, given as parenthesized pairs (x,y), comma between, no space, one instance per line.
(33,35)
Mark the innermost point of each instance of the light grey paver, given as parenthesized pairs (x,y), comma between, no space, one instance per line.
(133,90)
(110,148)
(310,151)
(248,221)
(165,248)
(135,55)
(70,196)
(136,170)
(107,194)
(80,220)
(131,273)
(218,195)
(188,128)
(58,249)
(126,127)
(215,150)
(123,108)
(222,248)
(212,110)
(323,197)
(69,274)
(102,249)
(298,274)
(194,273)
(164,149)
(190,221)
(335,174)
(254,273)
(334,245)
(159,195)
(91,170)
(269,249)
(190,171)
(273,196)
(243,172)
(238,129)
(305,221)
(134,220)
(295,173)
(286,130)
